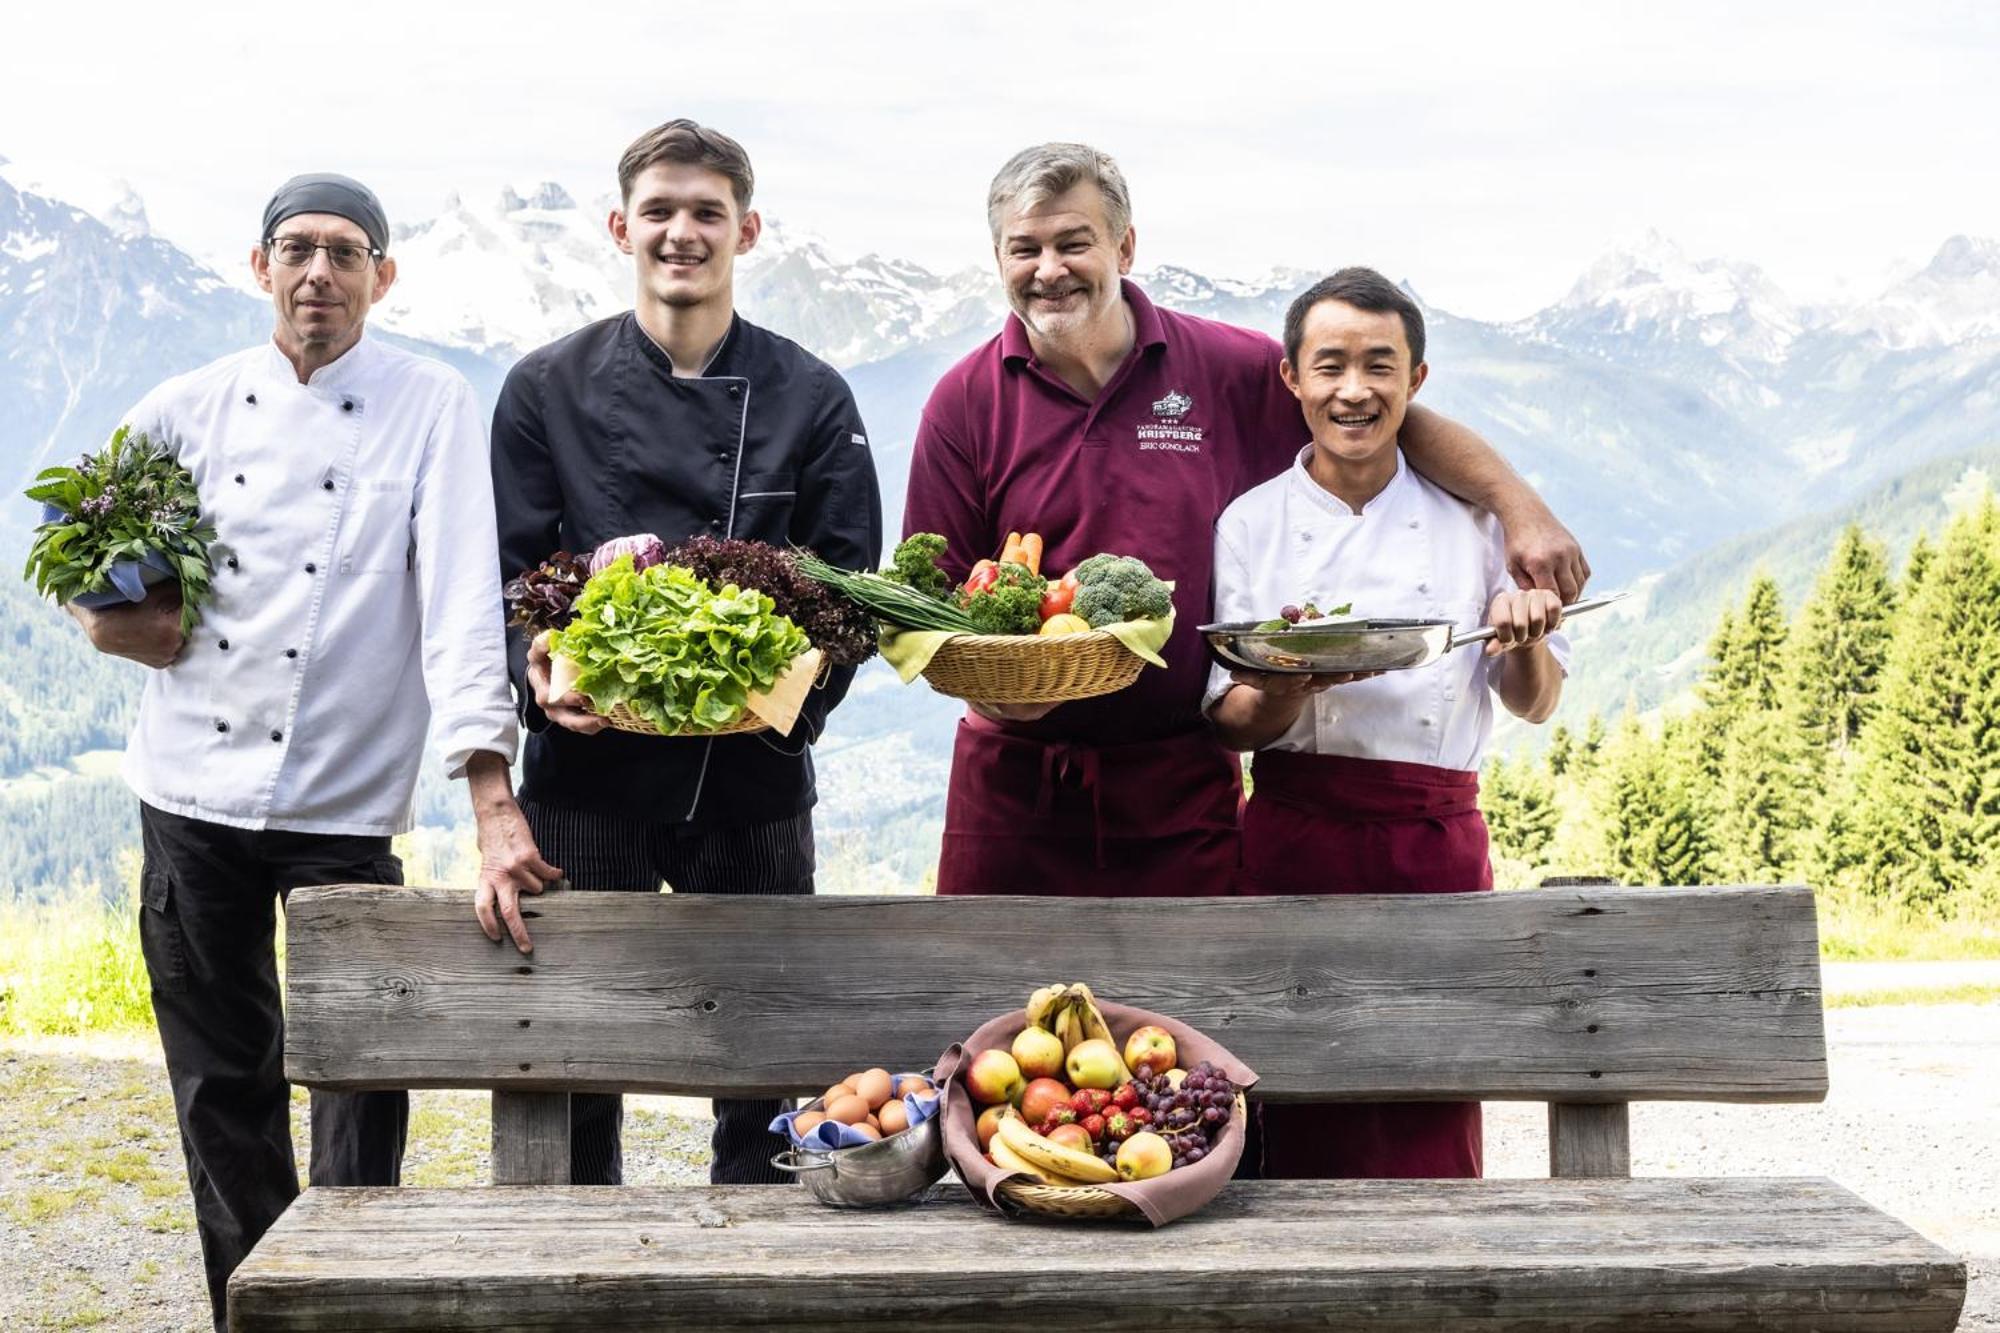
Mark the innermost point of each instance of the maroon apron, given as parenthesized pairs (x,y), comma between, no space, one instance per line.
(1372,826)
(1151,819)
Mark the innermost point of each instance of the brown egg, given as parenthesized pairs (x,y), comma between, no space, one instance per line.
(835,1093)
(913,1083)
(873,1124)
(874,1087)
(803,1122)
(848,1110)
(868,1131)
(893,1117)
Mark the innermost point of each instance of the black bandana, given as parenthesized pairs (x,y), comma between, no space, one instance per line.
(326,192)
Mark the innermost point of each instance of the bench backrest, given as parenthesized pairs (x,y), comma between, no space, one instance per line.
(1560,995)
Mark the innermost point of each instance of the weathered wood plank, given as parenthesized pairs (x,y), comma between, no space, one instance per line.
(1572,995)
(1593,1139)
(531,1138)
(1387,1255)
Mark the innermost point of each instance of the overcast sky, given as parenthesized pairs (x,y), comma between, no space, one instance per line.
(1486,153)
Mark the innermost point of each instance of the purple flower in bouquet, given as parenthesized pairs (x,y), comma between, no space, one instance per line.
(645,549)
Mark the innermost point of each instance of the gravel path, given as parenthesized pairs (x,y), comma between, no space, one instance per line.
(95,1229)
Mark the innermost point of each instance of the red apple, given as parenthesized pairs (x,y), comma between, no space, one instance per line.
(1153,1044)
(1095,1064)
(1144,1156)
(1073,1136)
(1041,1097)
(1039,1052)
(994,1078)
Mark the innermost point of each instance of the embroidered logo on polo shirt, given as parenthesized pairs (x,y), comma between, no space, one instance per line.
(1170,431)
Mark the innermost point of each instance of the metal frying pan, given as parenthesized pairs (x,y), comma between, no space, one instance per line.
(1352,645)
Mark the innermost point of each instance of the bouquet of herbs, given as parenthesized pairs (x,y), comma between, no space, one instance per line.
(117,515)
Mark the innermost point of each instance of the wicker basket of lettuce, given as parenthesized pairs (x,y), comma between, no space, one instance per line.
(709,638)
(119,522)
(1009,634)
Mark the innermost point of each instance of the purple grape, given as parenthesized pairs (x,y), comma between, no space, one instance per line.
(1196,1154)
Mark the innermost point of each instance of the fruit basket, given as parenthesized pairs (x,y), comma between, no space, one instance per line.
(1032,668)
(1038,1148)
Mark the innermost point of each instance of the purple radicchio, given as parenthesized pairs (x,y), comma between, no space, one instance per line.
(645,549)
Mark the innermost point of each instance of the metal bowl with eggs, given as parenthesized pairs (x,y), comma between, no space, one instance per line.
(904,1162)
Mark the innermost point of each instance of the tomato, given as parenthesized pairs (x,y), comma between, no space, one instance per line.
(1057,598)
(982,579)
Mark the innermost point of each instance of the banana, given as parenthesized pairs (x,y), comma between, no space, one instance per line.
(1068,1026)
(1042,1005)
(1026,1144)
(1091,1019)
(1009,1160)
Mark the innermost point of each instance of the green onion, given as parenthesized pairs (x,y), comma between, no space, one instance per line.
(890,602)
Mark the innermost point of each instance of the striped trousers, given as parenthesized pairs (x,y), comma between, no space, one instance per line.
(604,852)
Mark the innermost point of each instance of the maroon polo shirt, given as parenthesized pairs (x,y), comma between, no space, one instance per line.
(1194,417)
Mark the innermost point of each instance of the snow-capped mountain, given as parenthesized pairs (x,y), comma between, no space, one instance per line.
(1953,299)
(1651,298)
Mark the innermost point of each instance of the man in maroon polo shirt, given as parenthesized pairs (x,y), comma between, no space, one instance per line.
(1108,424)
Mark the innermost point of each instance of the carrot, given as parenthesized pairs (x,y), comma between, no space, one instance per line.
(1031,549)
(1010,554)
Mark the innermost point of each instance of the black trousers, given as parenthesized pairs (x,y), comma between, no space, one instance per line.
(209,895)
(607,852)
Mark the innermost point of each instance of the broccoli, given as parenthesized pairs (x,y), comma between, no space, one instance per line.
(1011,604)
(914,563)
(1111,588)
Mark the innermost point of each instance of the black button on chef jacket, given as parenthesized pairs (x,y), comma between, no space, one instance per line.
(595,438)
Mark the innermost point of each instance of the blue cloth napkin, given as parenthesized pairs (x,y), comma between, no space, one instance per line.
(829,1135)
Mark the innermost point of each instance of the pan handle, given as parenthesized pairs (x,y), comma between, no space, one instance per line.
(1573,609)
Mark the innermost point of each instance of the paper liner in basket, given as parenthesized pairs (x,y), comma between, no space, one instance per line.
(1161,1199)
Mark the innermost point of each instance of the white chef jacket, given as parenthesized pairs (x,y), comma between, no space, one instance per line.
(1413,552)
(357,593)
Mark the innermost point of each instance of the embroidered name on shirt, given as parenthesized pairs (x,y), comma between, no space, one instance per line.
(1171,432)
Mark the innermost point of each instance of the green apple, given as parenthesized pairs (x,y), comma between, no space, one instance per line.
(1094,1064)
(1039,1052)
(1144,1156)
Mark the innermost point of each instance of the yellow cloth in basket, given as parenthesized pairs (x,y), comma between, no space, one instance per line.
(910,650)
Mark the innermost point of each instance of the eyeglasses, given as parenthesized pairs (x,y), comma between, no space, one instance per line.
(297,252)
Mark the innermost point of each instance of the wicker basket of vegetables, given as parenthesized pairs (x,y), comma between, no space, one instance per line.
(710,638)
(1008,634)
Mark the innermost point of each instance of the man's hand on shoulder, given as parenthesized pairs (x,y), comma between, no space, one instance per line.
(147,632)
(572,711)
(1542,553)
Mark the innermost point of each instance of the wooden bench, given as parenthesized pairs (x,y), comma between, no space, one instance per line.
(1585,998)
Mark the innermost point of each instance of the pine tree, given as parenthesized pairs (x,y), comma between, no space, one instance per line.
(1915,564)
(1592,745)
(1561,744)
(1749,779)
(1927,816)
(1519,802)
(1842,641)
(1654,830)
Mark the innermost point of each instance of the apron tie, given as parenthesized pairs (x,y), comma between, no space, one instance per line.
(1060,764)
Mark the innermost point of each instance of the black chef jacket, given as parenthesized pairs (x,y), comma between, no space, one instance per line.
(594,438)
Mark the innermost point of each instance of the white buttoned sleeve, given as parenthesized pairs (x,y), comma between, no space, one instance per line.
(464,647)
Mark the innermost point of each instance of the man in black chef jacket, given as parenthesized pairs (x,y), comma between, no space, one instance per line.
(678,418)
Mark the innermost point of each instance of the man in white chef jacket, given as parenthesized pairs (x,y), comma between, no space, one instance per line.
(356,605)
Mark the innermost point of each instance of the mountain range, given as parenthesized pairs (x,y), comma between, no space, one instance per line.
(1681,414)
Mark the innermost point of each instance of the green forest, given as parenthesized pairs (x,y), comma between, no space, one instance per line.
(1854,746)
